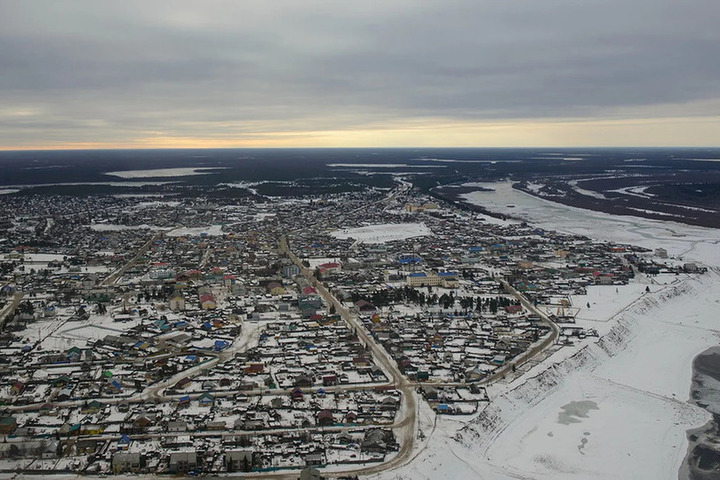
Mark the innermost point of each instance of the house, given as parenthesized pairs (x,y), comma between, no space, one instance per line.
(141,423)
(310,473)
(8,425)
(254,369)
(310,301)
(513,309)
(303,381)
(17,388)
(176,302)
(296,394)
(68,430)
(499,359)
(314,459)
(389,403)
(290,271)
(178,425)
(238,460)
(183,383)
(411,208)
(173,341)
(93,407)
(363,306)
(216,426)
(91,429)
(376,440)
(65,393)
(124,442)
(328,268)
(309,290)
(206,400)
(325,418)
(207,301)
(182,462)
(126,462)
(422,279)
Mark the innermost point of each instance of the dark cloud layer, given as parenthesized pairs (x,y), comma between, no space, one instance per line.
(114,71)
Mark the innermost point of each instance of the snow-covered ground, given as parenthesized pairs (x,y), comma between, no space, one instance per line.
(163,172)
(616,407)
(111,227)
(211,230)
(381,233)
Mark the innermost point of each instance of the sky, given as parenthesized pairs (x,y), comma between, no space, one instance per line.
(309,73)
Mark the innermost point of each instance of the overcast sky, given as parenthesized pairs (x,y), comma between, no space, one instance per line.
(365,73)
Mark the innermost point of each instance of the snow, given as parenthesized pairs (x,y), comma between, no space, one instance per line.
(109,184)
(42,257)
(590,445)
(380,165)
(582,191)
(368,165)
(211,230)
(634,381)
(381,233)
(676,238)
(109,227)
(163,172)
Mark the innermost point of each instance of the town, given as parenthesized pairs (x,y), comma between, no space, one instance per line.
(163,334)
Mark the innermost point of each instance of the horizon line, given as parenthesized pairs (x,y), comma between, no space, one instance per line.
(581,147)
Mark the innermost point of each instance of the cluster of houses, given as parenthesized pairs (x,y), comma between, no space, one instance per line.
(129,343)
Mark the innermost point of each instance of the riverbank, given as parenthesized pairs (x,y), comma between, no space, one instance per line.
(703,455)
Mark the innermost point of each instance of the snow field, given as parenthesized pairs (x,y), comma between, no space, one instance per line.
(382,233)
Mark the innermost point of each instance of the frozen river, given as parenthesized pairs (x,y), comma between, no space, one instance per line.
(618,408)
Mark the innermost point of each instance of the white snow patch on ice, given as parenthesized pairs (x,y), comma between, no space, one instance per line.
(164,172)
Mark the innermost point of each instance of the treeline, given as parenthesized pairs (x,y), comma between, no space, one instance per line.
(408,295)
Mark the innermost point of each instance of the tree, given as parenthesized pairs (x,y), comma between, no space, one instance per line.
(493,305)
(26,307)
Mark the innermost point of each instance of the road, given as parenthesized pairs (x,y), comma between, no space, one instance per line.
(112,278)
(9,309)
(408,408)
(536,348)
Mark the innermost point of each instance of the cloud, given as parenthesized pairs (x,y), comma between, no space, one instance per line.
(114,71)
